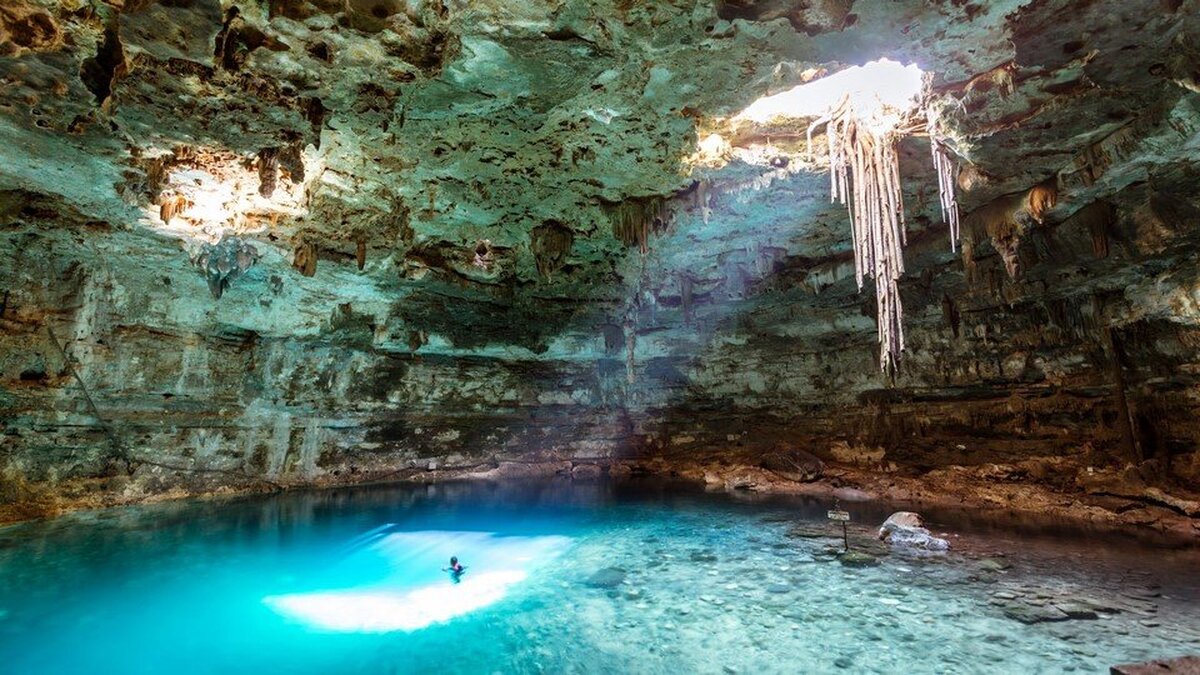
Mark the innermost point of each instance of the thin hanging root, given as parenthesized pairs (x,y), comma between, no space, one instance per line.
(945,171)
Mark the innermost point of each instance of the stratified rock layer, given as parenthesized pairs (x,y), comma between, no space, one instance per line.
(486,240)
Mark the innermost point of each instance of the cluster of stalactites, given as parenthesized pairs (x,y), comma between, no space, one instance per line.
(634,219)
(864,172)
(225,261)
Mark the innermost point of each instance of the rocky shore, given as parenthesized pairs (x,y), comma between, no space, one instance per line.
(1106,500)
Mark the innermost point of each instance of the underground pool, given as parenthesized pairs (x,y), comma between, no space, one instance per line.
(564,577)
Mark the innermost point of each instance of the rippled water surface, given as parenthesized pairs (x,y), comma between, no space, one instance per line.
(572,578)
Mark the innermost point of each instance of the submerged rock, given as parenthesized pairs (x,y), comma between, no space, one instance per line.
(994,565)
(813,531)
(609,577)
(1076,610)
(1030,614)
(903,529)
(857,559)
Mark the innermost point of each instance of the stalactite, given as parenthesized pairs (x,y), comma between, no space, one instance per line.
(1041,199)
(950,313)
(994,281)
(268,171)
(685,297)
(551,244)
(222,263)
(1124,417)
(305,258)
(630,345)
(633,220)
(700,200)
(614,338)
(1009,248)
(171,206)
(291,160)
(970,270)
(1099,232)
(1007,219)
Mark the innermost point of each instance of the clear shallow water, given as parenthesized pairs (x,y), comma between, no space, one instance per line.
(349,581)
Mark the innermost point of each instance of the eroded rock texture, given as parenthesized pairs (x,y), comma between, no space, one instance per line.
(485,232)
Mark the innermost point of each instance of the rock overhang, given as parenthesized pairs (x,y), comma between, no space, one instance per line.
(428,129)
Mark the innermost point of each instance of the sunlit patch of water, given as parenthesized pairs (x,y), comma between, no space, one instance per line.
(408,591)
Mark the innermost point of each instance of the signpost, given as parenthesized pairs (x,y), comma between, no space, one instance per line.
(843,516)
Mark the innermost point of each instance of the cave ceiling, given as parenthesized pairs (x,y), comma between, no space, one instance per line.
(464,177)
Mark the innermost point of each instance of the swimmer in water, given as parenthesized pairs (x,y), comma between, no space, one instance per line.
(455,569)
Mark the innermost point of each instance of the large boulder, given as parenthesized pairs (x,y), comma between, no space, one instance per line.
(793,464)
(904,529)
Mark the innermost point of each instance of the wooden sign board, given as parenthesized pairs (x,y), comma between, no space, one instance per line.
(839,515)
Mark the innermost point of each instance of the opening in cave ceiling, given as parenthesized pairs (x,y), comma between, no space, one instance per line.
(865,111)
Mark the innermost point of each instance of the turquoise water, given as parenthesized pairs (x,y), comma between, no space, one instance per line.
(567,578)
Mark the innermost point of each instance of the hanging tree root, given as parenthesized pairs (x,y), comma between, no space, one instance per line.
(949,202)
(864,175)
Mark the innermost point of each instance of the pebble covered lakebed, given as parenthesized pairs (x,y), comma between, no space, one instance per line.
(575,578)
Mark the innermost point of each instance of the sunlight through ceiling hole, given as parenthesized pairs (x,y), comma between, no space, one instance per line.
(881,90)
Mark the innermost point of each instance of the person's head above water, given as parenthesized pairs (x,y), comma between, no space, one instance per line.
(453,560)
